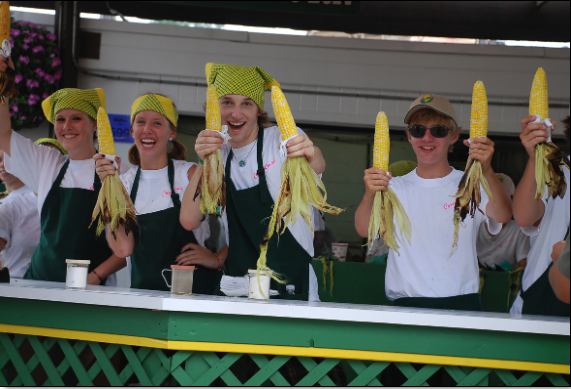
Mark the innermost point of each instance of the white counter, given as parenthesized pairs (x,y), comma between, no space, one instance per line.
(164,301)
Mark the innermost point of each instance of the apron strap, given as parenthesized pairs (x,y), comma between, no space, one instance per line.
(263,184)
(174,196)
(61,174)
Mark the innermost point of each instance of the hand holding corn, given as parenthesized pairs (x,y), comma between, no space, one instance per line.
(548,157)
(387,208)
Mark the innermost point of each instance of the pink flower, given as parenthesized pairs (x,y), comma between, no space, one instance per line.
(22,118)
(11,114)
(25,46)
(33,25)
(45,95)
(57,76)
(51,36)
(56,62)
(14,32)
(24,59)
(49,78)
(40,72)
(22,23)
(33,34)
(14,108)
(41,37)
(18,78)
(26,32)
(32,101)
(38,49)
(32,84)
(27,40)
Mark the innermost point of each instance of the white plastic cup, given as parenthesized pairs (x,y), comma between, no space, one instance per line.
(339,250)
(182,279)
(76,276)
(254,288)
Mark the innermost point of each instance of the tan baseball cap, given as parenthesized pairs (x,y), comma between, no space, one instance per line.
(507,182)
(434,102)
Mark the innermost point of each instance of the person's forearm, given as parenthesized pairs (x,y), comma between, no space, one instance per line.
(111,266)
(526,209)
(363,214)
(318,163)
(5,127)
(560,284)
(501,211)
(190,214)
(121,243)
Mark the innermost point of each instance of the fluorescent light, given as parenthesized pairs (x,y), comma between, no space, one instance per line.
(33,10)
(263,30)
(537,44)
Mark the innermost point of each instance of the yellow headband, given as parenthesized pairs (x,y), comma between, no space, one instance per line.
(51,141)
(240,80)
(87,101)
(157,103)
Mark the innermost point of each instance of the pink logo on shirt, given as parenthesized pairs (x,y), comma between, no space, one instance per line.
(505,242)
(448,206)
(266,167)
(92,188)
(165,193)
(179,189)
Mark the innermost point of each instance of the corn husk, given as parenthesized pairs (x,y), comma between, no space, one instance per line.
(7,79)
(212,187)
(114,205)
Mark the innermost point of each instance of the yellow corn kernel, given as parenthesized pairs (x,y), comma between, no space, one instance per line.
(4,21)
(104,133)
(479,116)
(213,120)
(538,101)
(283,114)
(382,145)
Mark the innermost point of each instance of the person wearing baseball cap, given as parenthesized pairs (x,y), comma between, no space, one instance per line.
(510,245)
(424,273)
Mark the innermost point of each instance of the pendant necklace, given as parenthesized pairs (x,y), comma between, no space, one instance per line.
(242,163)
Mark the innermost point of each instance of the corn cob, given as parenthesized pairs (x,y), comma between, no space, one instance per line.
(211,186)
(386,204)
(7,79)
(468,197)
(548,157)
(300,189)
(114,205)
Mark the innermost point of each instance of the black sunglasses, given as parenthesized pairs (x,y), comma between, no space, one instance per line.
(439,131)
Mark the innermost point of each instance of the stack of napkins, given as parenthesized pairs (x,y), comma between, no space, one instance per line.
(238,287)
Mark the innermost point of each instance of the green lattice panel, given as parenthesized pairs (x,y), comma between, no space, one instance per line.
(35,361)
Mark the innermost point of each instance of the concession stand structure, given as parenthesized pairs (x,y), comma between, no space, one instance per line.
(104,335)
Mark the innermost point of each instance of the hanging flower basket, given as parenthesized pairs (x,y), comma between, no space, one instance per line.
(38,69)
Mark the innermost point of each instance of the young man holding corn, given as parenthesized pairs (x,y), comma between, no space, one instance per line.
(253,161)
(546,221)
(425,274)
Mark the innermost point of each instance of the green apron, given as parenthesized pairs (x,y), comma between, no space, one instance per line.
(539,299)
(248,212)
(159,238)
(65,218)
(466,302)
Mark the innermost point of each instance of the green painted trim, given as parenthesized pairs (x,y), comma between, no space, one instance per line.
(235,329)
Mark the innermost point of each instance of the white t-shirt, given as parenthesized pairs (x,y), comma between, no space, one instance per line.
(425,267)
(15,193)
(551,230)
(510,244)
(38,166)
(20,227)
(246,177)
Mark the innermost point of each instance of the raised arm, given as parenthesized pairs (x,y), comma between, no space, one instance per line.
(190,214)
(5,124)
(526,208)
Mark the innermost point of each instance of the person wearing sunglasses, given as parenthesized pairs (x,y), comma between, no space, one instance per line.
(424,273)
(546,221)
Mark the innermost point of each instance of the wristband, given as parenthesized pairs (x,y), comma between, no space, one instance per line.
(200,161)
(98,276)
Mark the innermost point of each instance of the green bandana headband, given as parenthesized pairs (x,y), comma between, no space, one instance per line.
(240,80)
(87,101)
(51,141)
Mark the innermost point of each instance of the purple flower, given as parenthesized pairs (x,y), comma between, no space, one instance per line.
(24,59)
(56,62)
(26,32)
(32,100)
(33,34)
(14,32)
(40,72)
(57,76)
(32,83)
(32,25)
(11,114)
(22,23)
(14,108)
(51,36)
(38,49)
(25,46)
(18,78)
(27,40)
(49,78)
(45,95)
(41,37)
(22,118)
(40,118)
